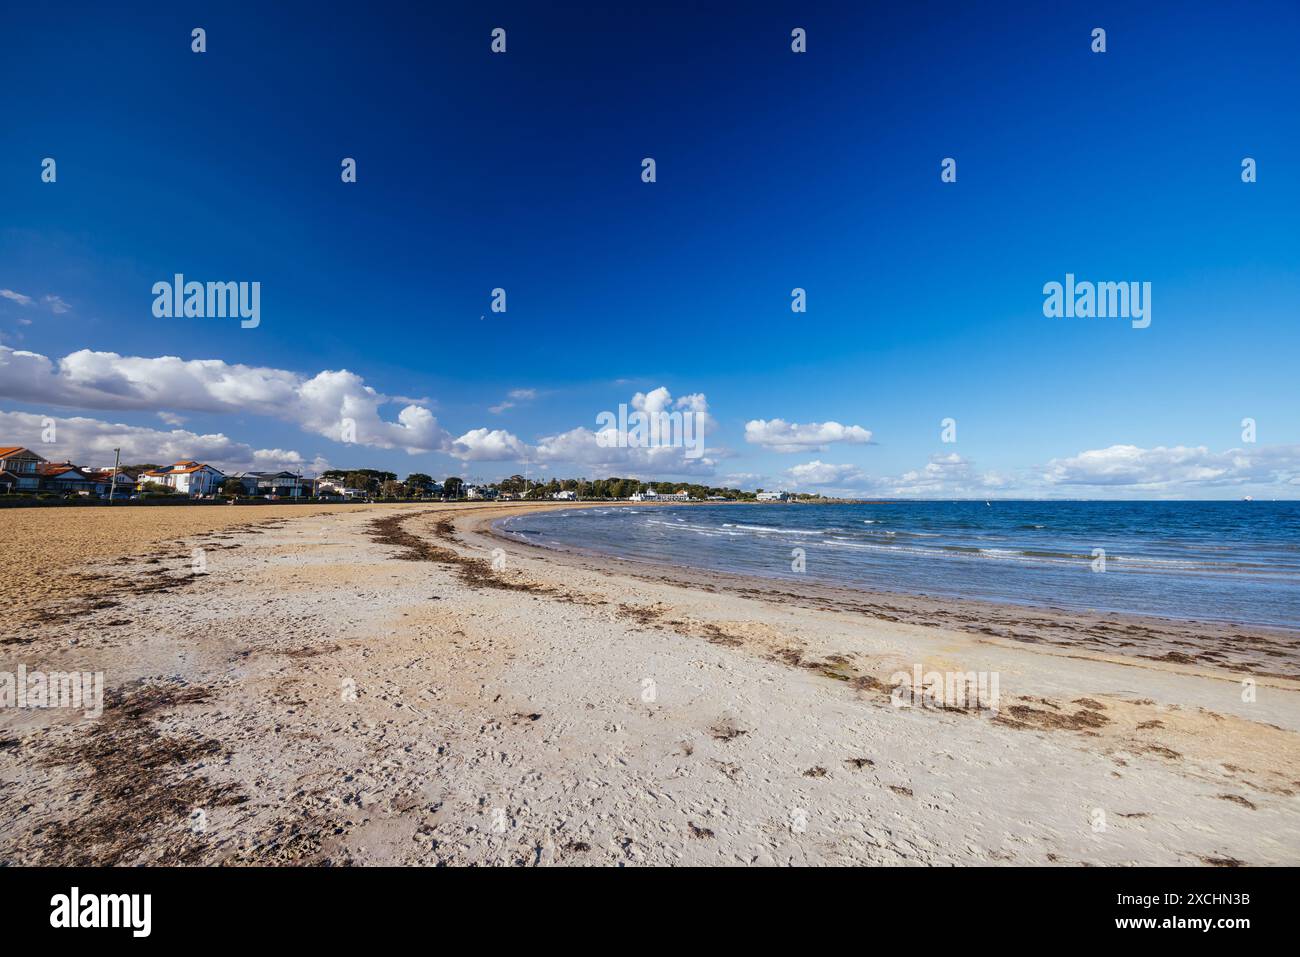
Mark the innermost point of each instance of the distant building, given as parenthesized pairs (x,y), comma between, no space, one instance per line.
(565,495)
(681,495)
(22,470)
(480,492)
(773,496)
(274,484)
(336,487)
(64,478)
(103,479)
(18,469)
(187,477)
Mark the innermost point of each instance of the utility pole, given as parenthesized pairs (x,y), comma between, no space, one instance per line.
(112,488)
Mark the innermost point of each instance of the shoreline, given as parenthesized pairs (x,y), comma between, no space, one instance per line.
(365,686)
(1183,639)
(1284,629)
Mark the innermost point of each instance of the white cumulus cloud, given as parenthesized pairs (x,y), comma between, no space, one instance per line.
(779,435)
(325,404)
(943,476)
(1163,468)
(822,473)
(489,445)
(599,450)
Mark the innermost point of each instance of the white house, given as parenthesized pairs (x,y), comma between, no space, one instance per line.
(774,496)
(565,495)
(187,477)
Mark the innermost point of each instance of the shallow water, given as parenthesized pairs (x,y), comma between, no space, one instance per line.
(1217,561)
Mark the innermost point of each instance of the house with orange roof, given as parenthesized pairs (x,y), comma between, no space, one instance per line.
(187,477)
(19,469)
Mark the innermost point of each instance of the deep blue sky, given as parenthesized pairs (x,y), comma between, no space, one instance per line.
(775,170)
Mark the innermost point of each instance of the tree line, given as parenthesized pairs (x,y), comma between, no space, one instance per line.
(418,485)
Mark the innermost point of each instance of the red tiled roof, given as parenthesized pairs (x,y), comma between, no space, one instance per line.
(12,450)
(53,468)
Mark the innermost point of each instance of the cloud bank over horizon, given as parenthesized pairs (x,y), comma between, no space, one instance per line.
(329,402)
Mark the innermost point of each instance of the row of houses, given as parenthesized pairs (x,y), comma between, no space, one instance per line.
(25,471)
(22,470)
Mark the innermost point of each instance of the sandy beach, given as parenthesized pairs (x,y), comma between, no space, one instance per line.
(400,685)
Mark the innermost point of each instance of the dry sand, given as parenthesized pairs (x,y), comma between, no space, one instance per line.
(361,685)
(50,550)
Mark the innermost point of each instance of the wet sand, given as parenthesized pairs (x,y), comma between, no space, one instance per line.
(1258,650)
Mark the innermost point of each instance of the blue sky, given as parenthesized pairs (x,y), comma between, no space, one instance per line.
(775,170)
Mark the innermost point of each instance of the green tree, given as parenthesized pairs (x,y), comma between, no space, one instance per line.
(232,487)
(454,486)
(417,483)
(365,479)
